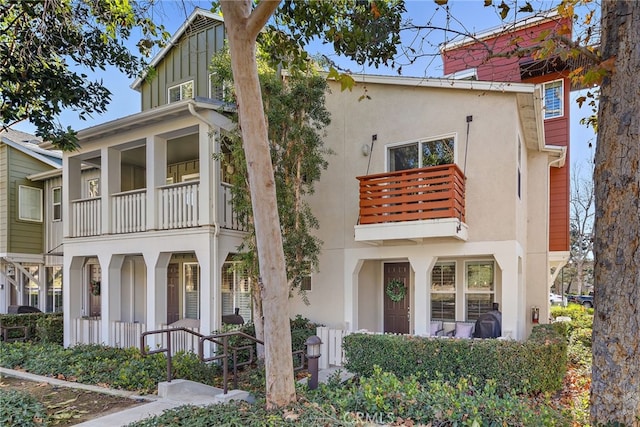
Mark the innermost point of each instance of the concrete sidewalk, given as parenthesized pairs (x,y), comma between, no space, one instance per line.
(170,395)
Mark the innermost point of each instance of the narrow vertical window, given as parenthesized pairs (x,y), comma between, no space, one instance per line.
(56,204)
(480,288)
(553,96)
(191,280)
(443,291)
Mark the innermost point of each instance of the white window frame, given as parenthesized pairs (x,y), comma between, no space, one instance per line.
(555,113)
(196,290)
(239,279)
(455,288)
(22,215)
(225,88)
(55,204)
(181,88)
(418,142)
(468,291)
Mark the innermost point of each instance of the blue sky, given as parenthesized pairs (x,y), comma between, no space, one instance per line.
(466,15)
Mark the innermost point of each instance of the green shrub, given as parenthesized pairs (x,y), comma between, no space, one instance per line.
(18,408)
(381,398)
(536,365)
(40,326)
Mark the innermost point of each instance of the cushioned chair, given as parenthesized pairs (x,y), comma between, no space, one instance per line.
(436,328)
(462,330)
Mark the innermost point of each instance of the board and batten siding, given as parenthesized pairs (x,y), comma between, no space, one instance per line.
(53,229)
(188,60)
(23,236)
(4,198)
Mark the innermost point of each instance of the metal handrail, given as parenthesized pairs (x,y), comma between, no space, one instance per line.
(221,339)
(167,350)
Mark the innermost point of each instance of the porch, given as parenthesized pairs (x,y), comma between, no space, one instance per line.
(412,204)
(175,206)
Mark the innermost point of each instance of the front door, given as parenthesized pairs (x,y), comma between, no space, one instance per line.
(396,297)
(173,295)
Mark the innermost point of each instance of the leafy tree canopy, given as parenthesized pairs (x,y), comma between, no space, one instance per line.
(43,44)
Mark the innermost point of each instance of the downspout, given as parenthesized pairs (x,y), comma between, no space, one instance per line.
(216,226)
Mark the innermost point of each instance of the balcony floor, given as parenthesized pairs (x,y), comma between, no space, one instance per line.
(411,230)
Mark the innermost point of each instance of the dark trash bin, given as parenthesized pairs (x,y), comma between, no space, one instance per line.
(22,309)
(233,319)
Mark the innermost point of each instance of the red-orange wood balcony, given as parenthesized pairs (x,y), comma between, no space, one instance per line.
(412,204)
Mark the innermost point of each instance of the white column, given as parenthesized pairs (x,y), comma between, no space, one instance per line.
(42,288)
(109,184)
(72,295)
(4,288)
(421,266)
(111,284)
(157,265)
(352,268)
(156,177)
(511,323)
(208,176)
(71,183)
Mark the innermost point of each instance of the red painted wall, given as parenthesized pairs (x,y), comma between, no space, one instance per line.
(496,68)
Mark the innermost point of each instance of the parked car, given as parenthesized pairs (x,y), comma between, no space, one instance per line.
(585,300)
(557,299)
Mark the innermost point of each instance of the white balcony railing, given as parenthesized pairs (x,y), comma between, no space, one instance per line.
(178,205)
(86,217)
(129,211)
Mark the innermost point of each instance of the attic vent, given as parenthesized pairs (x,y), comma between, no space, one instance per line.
(200,23)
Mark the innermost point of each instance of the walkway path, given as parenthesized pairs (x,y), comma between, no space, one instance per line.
(170,395)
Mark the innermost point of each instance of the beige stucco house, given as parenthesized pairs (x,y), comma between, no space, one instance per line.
(461,235)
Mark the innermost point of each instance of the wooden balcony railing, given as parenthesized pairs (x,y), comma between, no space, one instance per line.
(87,217)
(178,205)
(433,192)
(129,211)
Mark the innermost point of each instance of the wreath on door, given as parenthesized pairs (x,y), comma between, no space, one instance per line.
(95,287)
(396,290)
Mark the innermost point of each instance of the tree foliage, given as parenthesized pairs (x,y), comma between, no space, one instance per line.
(296,118)
(44,45)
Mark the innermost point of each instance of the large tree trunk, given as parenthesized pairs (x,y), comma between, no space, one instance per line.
(242,27)
(615,387)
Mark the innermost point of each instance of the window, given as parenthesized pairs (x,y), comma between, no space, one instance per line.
(553,95)
(181,91)
(31,287)
(236,291)
(191,280)
(30,203)
(305,284)
(480,288)
(93,188)
(54,289)
(216,91)
(422,154)
(443,291)
(56,204)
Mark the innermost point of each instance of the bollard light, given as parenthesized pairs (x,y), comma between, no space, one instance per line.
(313,354)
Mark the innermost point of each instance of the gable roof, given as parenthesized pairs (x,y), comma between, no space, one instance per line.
(29,145)
(191,21)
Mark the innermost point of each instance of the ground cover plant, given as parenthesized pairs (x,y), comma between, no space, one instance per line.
(381,398)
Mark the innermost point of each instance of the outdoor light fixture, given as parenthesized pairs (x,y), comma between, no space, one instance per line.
(313,354)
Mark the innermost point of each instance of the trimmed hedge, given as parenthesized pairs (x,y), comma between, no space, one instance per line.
(536,365)
(45,327)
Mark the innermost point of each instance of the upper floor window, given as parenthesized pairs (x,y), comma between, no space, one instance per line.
(553,96)
(30,203)
(216,90)
(56,204)
(420,154)
(181,91)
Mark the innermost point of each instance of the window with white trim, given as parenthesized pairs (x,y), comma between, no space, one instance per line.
(54,289)
(480,288)
(181,91)
(56,204)
(553,96)
(443,291)
(191,280)
(422,153)
(93,188)
(216,90)
(29,203)
(236,291)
